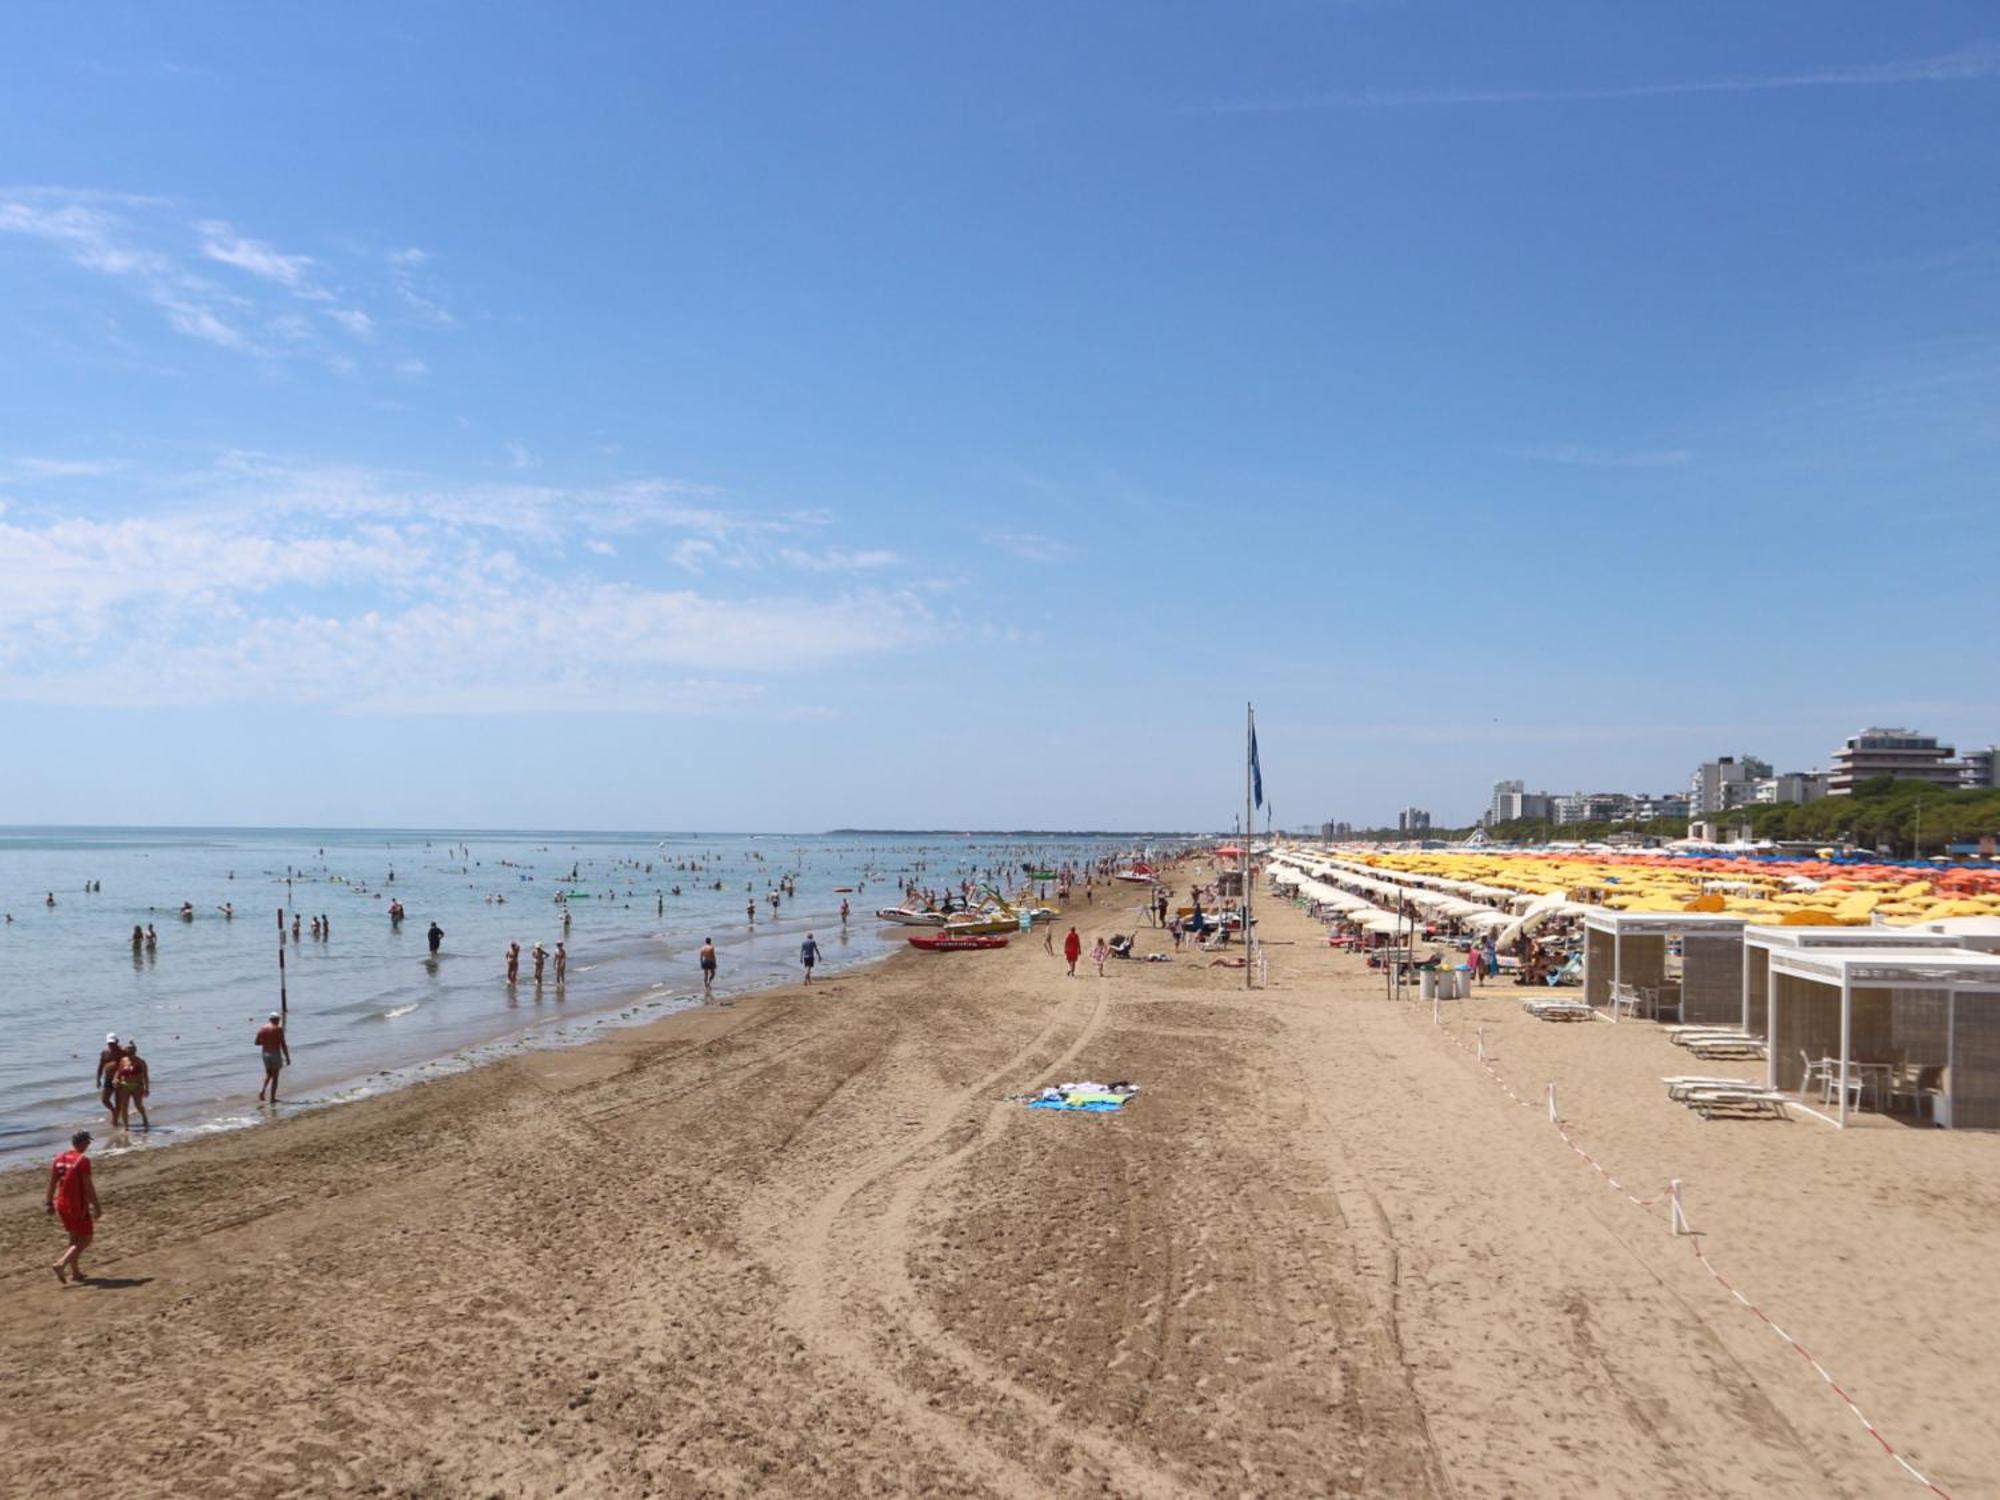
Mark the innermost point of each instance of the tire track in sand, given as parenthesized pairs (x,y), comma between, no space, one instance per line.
(816,1308)
(1131,1473)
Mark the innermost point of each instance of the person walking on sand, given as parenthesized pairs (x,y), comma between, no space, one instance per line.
(541,957)
(809,955)
(107,1069)
(436,936)
(707,967)
(131,1083)
(1049,939)
(1072,951)
(1098,954)
(72,1198)
(277,1054)
(562,962)
(513,962)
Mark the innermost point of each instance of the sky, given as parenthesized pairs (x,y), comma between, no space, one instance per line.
(785,416)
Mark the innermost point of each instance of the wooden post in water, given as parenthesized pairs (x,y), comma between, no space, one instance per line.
(284,1005)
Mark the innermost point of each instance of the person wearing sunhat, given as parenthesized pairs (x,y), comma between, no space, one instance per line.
(72,1198)
(107,1068)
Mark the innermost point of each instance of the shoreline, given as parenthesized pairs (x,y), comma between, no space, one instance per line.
(233,1113)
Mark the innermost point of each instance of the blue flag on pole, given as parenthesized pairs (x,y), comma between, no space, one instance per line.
(1256,771)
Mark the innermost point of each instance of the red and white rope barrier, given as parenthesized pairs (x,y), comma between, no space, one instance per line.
(1679,1226)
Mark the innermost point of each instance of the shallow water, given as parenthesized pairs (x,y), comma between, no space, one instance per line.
(369,1008)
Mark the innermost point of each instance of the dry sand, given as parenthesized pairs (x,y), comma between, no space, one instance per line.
(802,1245)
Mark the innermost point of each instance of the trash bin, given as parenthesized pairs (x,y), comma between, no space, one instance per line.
(1427,988)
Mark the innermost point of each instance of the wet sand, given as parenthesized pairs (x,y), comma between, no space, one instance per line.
(803,1245)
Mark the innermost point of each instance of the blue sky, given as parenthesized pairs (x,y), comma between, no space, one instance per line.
(788,416)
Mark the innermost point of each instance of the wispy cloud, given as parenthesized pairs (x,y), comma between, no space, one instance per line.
(271,584)
(838,559)
(1578,456)
(59,468)
(1029,546)
(209,280)
(1970,64)
(518,456)
(220,242)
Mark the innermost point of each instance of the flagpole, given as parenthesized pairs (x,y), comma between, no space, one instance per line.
(1250,828)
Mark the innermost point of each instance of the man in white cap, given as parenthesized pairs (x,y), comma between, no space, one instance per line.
(107,1067)
(277,1054)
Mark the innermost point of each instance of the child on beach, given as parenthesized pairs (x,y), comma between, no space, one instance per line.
(1098,954)
(72,1198)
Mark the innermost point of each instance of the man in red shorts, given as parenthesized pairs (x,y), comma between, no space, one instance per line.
(73,1199)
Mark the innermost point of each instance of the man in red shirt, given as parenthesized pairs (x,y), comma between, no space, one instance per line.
(277,1054)
(73,1199)
(1072,950)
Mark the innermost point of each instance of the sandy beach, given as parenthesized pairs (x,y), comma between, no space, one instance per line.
(803,1244)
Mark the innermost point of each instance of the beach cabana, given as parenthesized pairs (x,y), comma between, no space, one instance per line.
(1886,1023)
(1760,942)
(1631,948)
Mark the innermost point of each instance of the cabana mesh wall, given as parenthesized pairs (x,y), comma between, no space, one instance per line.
(1643,964)
(1757,989)
(1711,978)
(1597,950)
(1973,1083)
(1808,1026)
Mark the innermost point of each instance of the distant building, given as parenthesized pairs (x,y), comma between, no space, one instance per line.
(1413,820)
(1667,805)
(1901,753)
(1336,833)
(1512,805)
(1594,807)
(1977,770)
(1725,783)
(1789,786)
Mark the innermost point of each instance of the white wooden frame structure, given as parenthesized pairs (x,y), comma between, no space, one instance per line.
(1760,942)
(1965,979)
(1599,984)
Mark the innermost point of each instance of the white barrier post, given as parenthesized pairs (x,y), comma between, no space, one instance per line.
(1678,1216)
(1480,1033)
(1554,1118)
(1435,1020)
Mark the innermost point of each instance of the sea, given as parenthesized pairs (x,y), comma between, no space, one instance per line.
(369,1009)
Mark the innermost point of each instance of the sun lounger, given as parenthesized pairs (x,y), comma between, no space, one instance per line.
(1558,1010)
(1740,1048)
(1680,1088)
(1738,1104)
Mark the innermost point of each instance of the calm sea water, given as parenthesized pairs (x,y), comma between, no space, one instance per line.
(368,1008)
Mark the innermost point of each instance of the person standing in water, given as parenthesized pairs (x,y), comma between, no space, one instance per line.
(562,962)
(107,1069)
(843,911)
(707,967)
(72,1198)
(131,1082)
(436,936)
(277,1054)
(541,957)
(513,962)
(809,955)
